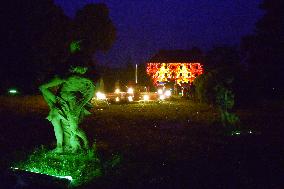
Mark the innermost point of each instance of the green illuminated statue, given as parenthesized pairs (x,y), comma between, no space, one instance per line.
(225,102)
(68,105)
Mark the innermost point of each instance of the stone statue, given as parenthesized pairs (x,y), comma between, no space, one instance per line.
(68,103)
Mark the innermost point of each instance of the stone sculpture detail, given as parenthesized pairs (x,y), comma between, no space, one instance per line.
(68,105)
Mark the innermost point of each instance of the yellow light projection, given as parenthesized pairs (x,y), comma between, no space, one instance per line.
(174,72)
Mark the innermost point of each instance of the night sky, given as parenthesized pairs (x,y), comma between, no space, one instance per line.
(144,27)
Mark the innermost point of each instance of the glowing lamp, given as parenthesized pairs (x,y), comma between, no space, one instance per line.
(100,96)
(146,97)
(130,98)
(168,93)
(117,91)
(130,90)
(162,97)
(12,91)
(117,99)
(160,91)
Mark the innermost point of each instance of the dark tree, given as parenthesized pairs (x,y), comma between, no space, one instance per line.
(264,49)
(222,56)
(34,35)
(93,28)
(143,78)
(225,60)
(37,36)
(222,68)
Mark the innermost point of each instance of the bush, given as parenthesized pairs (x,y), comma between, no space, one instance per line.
(225,102)
(213,88)
(204,88)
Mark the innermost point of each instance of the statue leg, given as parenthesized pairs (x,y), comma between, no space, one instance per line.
(80,133)
(70,140)
(74,143)
(58,134)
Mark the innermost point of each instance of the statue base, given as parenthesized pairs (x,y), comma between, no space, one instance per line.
(75,168)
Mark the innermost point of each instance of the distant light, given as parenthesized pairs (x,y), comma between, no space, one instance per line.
(160,91)
(12,91)
(162,97)
(117,99)
(236,133)
(168,93)
(100,96)
(130,98)
(146,97)
(117,91)
(130,90)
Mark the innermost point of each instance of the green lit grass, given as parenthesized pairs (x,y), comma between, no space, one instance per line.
(77,168)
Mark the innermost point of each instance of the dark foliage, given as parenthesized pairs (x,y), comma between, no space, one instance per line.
(92,25)
(264,51)
(222,67)
(36,36)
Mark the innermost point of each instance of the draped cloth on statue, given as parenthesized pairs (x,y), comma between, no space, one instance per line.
(72,93)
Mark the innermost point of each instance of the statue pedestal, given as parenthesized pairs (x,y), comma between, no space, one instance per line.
(71,168)
(28,179)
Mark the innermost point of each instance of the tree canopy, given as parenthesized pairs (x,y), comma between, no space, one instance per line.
(37,36)
(264,49)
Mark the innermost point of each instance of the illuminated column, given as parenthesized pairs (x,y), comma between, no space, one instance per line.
(136,73)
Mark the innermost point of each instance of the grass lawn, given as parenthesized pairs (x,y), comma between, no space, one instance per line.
(171,144)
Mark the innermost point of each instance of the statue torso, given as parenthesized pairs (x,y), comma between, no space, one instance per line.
(74,88)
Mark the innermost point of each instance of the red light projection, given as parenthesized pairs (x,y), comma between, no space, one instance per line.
(174,72)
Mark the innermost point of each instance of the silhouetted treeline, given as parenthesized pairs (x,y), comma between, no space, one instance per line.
(36,36)
(264,52)
(255,71)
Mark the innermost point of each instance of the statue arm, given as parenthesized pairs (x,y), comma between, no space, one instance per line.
(49,97)
(88,94)
(53,83)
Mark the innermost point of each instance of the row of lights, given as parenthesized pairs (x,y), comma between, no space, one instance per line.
(100,96)
(163,94)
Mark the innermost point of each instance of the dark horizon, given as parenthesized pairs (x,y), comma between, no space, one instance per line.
(144,28)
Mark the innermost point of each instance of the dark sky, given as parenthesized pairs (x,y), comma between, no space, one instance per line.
(145,26)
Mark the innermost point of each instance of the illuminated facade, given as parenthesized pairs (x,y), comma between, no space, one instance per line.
(178,67)
(178,73)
